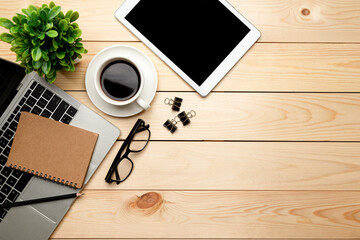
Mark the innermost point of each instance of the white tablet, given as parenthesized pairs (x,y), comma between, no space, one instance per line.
(201,40)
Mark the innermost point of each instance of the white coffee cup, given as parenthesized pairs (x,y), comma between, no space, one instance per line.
(136,98)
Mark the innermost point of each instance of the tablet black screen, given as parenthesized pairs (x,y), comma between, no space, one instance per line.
(196,35)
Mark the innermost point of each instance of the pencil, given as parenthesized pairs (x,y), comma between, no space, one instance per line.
(41,200)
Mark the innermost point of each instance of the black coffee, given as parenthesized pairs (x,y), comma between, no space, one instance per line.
(120,80)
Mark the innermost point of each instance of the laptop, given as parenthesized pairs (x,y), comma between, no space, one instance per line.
(31,93)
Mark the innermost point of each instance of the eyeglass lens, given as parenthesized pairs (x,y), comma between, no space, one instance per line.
(124,168)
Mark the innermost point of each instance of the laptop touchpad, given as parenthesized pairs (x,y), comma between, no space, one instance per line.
(16,225)
(41,188)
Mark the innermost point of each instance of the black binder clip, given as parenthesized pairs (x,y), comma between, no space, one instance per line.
(185,117)
(176,103)
(170,125)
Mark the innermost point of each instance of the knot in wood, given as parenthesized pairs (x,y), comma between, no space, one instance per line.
(305,11)
(148,200)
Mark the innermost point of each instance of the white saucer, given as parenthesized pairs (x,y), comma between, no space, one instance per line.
(143,62)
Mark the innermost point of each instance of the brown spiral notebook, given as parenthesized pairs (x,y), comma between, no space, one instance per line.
(52,150)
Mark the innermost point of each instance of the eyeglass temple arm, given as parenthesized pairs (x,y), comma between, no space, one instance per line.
(143,128)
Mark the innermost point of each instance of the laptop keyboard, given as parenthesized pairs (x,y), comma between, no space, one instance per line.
(40,101)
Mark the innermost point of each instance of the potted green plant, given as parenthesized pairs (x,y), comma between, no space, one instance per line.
(44,39)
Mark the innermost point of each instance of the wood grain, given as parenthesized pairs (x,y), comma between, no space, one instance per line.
(278,20)
(252,116)
(267,67)
(196,238)
(303,20)
(213,214)
(239,166)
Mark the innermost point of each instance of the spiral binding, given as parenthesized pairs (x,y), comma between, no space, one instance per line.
(45,176)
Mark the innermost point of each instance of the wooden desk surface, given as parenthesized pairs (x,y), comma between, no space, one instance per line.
(273,153)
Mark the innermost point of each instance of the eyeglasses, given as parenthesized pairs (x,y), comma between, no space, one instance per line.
(122,165)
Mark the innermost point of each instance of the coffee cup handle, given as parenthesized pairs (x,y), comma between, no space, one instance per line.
(142,103)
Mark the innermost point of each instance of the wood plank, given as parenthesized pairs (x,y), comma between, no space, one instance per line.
(213,214)
(194,238)
(252,116)
(248,166)
(267,67)
(303,21)
(278,20)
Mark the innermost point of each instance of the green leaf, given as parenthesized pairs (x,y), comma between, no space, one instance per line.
(23,21)
(41,36)
(80,50)
(70,40)
(32,24)
(6,23)
(35,41)
(26,53)
(79,45)
(63,62)
(63,25)
(26,12)
(14,29)
(52,4)
(6,37)
(36,53)
(68,14)
(16,19)
(51,79)
(21,16)
(72,67)
(37,64)
(54,12)
(26,28)
(77,33)
(75,25)
(33,16)
(40,72)
(47,10)
(43,15)
(74,16)
(38,23)
(44,56)
(60,55)
(52,33)
(51,76)
(32,8)
(55,44)
(61,15)
(48,26)
(17,43)
(46,66)
(67,68)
